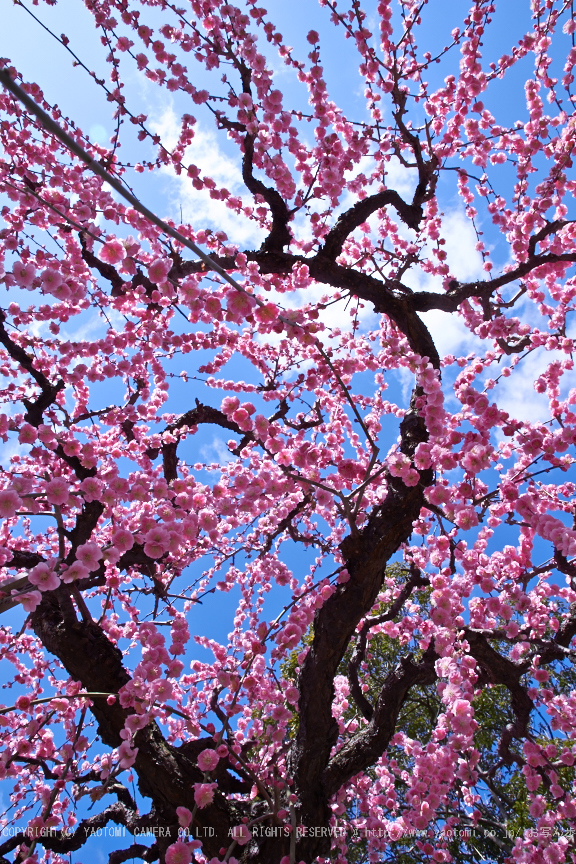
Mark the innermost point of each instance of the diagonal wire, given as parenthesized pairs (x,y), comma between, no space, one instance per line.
(51,126)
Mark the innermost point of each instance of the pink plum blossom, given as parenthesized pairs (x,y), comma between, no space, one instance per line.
(178,853)
(157,541)
(24,274)
(74,572)
(122,539)
(57,491)
(27,434)
(51,279)
(208,760)
(241,834)
(158,270)
(44,577)
(184,816)
(29,600)
(259,501)
(10,502)
(112,252)
(204,794)
(90,555)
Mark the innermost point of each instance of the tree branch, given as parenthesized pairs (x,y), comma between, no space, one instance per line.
(280,235)
(48,391)
(365,554)
(410,214)
(500,670)
(369,744)
(416,581)
(166,774)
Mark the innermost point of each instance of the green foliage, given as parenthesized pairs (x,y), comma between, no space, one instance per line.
(502,802)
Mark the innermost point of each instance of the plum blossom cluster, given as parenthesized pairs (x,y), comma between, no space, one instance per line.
(267,548)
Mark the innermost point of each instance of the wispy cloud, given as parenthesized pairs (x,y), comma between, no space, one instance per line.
(216,453)
(450,334)
(197,207)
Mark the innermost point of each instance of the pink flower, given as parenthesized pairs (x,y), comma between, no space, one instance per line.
(207,520)
(24,274)
(267,314)
(292,695)
(239,305)
(466,518)
(395,830)
(208,760)
(112,252)
(179,852)
(411,477)
(123,43)
(127,754)
(44,578)
(58,491)
(398,464)
(242,418)
(241,834)
(162,690)
(27,434)
(157,541)
(29,601)
(158,270)
(51,279)
(76,571)
(90,555)
(245,101)
(461,720)
(313,37)
(229,405)
(184,816)
(10,502)
(204,794)
(438,495)
(122,539)
(91,488)
(476,458)
(493,605)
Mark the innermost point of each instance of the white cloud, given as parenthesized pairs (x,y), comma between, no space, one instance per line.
(516,394)
(450,334)
(198,209)
(216,453)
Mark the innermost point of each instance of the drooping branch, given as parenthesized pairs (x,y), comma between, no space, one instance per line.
(48,391)
(195,417)
(366,747)
(50,126)
(166,773)
(388,296)
(205,414)
(279,235)
(424,301)
(416,580)
(410,214)
(427,168)
(501,670)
